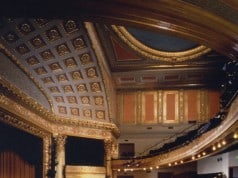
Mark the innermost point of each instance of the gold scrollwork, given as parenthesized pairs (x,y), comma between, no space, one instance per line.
(60,142)
(34,109)
(154,54)
(18,123)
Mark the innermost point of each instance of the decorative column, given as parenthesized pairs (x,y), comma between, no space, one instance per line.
(108,157)
(46,156)
(60,155)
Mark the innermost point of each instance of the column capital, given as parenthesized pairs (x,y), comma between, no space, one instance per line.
(60,141)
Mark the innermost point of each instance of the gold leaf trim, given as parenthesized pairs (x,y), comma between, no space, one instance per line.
(103,67)
(154,54)
(35,107)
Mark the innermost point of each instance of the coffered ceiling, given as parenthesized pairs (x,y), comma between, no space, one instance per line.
(56,55)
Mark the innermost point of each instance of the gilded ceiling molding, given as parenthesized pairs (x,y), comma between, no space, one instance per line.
(87,128)
(76,125)
(28,115)
(205,141)
(154,54)
(22,125)
(104,68)
(32,112)
(16,61)
(47,115)
(24,99)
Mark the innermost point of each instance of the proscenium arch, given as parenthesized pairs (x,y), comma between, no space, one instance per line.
(177,17)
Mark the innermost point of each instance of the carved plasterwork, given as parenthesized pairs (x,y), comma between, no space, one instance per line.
(23,98)
(25,27)
(70,26)
(84,169)
(53,34)
(154,54)
(35,113)
(108,148)
(46,155)
(60,142)
(18,123)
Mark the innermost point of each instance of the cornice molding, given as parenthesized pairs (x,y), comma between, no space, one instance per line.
(32,111)
(14,121)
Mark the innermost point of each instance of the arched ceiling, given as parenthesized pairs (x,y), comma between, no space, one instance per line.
(56,55)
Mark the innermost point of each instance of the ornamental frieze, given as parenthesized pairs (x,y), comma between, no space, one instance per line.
(99,131)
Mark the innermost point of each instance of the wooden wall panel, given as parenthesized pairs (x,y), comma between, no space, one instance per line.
(170,109)
(149,107)
(192,105)
(168,106)
(129,108)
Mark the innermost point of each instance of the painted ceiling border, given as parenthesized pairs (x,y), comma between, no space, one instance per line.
(155,54)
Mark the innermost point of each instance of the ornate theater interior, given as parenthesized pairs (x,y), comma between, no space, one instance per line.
(119,89)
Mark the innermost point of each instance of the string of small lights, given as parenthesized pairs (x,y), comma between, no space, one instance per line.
(218,146)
